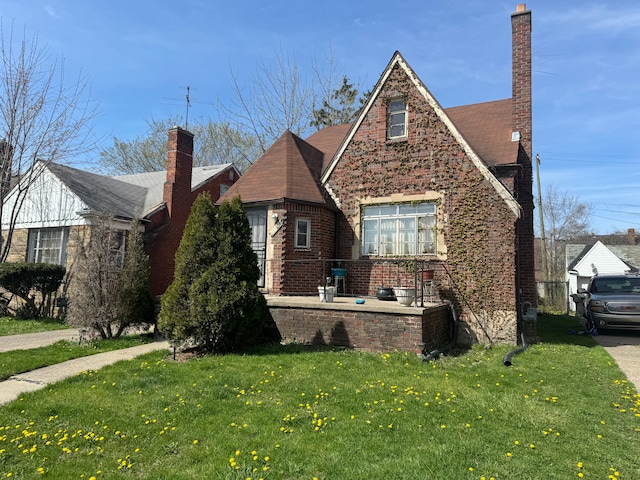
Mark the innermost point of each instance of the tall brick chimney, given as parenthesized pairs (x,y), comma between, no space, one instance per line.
(177,186)
(631,236)
(521,75)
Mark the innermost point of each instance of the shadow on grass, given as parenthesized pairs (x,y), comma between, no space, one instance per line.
(563,329)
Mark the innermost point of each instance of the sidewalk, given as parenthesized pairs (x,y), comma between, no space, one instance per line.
(12,388)
(35,340)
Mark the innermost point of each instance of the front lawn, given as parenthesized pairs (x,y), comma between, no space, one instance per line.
(563,410)
(17,326)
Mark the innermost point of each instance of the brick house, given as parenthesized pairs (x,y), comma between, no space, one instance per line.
(58,207)
(408,180)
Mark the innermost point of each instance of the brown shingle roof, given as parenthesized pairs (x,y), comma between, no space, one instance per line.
(328,140)
(288,170)
(487,128)
(291,168)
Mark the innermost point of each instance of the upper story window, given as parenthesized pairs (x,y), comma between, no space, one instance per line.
(48,245)
(399,229)
(223,189)
(303,233)
(397,118)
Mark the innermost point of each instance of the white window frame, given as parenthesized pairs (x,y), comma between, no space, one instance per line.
(403,229)
(396,118)
(117,247)
(41,247)
(304,236)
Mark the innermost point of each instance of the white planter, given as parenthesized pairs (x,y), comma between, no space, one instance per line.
(326,294)
(405,296)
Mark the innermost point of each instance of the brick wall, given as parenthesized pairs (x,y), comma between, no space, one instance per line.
(164,233)
(297,270)
(477,227)
(371,331)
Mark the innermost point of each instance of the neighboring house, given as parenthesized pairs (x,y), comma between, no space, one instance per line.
(407,180)
(60,204)
(610,254)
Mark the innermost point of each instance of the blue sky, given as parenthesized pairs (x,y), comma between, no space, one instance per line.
(140,55)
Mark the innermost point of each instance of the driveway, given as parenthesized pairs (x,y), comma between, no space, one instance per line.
(624,347)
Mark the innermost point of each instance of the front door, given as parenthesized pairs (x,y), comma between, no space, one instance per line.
(258,223)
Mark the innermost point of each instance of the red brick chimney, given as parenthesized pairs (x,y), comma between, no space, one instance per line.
(521,75)
(631,236)
(177,187)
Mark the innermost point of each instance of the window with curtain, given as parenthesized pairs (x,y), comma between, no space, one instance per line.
(48,245)
(399,229)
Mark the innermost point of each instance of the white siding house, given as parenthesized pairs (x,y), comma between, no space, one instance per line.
(595,260)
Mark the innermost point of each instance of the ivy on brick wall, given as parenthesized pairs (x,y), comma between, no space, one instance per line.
(477,226)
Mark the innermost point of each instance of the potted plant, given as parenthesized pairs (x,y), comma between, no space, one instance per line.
(405,295)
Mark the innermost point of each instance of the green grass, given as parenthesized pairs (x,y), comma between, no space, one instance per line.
(16,326)
(563,409)
(19,361)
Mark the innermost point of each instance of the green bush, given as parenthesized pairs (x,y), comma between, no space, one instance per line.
(215,302)
(33,283)
(195,253)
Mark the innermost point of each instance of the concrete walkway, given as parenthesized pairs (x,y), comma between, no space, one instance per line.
(624,347)
(35,340)
(12,388)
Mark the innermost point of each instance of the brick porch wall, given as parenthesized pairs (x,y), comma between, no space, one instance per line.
(364,330)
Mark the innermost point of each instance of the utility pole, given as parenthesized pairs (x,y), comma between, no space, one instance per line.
(540,213)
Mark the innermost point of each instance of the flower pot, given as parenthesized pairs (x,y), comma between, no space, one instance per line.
(405,295)
(326,294)
(427,274)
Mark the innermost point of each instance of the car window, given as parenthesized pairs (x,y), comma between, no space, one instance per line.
(616,285)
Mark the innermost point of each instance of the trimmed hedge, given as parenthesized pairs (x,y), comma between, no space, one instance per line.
(34,283)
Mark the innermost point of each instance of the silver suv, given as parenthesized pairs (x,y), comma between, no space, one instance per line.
(613,301)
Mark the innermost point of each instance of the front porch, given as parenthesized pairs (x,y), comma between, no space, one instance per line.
(376,325)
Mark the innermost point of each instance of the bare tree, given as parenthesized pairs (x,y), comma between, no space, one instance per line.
(277,98)
(108,287)
(42,118)
(565,217)
(214,143)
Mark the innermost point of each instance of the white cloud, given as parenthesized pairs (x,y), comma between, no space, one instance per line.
(51,11)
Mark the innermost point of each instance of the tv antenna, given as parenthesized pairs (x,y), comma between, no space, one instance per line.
(186,119)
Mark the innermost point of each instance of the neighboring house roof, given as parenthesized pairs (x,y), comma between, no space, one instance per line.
(153,182)
(288,170)
(596,259)
(126,196)
(100,193)
(579,257)
(487,127)
(464,116)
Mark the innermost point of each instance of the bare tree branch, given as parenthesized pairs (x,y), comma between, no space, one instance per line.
(42,118)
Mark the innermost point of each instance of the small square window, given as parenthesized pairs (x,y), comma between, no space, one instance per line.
(397,118)
(303,233)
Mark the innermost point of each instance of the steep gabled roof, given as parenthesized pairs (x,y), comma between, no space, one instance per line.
(100,193)
(487,127)
(288,170)
(398,60)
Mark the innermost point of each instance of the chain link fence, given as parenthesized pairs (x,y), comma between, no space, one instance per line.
(553,297)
